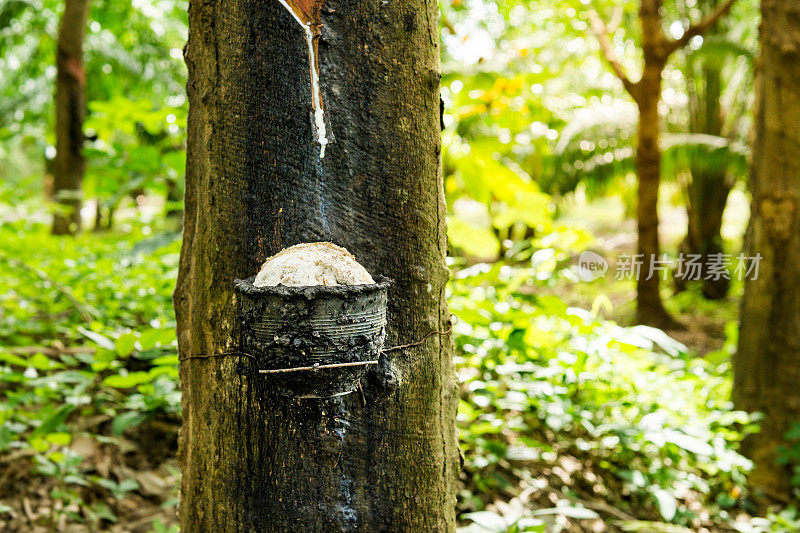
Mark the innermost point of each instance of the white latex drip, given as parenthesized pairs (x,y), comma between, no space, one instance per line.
(316,95)
(319,114)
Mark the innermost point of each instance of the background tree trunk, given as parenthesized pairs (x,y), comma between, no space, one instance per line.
(766,366)
(707,192)
(656,49)
(255,185)
(70,110)
(707,196)
(649,307)
(650,310)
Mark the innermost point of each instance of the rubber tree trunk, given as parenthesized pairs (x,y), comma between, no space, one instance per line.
(656,49)
(766,367)
(650,309)
(254,185)
(70,110)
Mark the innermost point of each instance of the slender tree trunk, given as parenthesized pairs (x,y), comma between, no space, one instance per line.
(254,185)
(650,309)
(98,216)
(70,110)
(656,49)
(766,367)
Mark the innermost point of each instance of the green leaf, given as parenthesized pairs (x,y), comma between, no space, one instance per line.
(127,420)
(59,439)
(104,511)
(124,344)
(40,361)
(155,337)
(53,421)
(6,436)
(667,504)
(794,432)
(489,521)
(127,381)
(97,338)
(13,359)
(166,360)
(473,240)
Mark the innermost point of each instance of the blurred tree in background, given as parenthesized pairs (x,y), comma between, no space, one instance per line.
(69,164)
(135,101)
(718,73)
(657,48)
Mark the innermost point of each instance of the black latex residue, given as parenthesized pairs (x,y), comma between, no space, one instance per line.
(290,327)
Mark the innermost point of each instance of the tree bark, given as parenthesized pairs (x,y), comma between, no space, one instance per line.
(254,185)
(766,369)
(70,111)
(649,308)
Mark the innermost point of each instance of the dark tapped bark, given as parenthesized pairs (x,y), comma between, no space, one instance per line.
(257,461)
(766,368)
(69,165)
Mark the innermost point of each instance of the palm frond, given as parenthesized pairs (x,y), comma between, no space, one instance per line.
(717,49)
(694,152)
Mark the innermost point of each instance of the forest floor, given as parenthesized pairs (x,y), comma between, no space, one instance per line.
(139,493)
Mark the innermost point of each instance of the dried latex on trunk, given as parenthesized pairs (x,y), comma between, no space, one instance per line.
(319,263)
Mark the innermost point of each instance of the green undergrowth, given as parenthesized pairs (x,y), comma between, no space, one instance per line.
(565,419)
(88,369)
